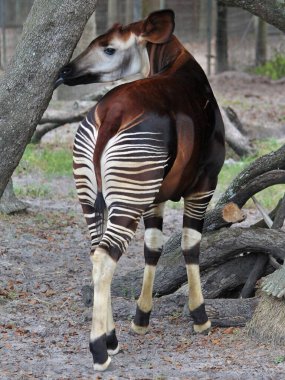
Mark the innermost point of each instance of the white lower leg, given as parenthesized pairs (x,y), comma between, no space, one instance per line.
(145,300)
(103,270)
(112,343)
(196,300)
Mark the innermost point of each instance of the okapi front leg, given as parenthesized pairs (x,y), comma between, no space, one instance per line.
(153,243)
(103,270)
(194,210)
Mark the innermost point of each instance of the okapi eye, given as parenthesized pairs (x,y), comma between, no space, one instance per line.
(109,51)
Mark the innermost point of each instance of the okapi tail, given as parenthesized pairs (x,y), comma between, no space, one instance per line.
(100,207)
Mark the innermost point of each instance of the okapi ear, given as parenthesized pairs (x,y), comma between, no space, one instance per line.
(158,26)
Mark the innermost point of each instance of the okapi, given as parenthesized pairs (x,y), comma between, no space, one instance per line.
(145,142)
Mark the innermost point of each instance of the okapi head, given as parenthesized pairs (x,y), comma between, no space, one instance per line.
(120,52)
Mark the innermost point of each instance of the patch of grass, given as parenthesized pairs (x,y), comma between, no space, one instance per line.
(33,191)
(273,69)
(265,146)
(279,359)
(54,161)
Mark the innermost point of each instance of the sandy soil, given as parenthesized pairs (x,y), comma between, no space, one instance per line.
(44,262)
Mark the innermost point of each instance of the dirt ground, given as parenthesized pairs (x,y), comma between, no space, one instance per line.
(44,261)
(45,327)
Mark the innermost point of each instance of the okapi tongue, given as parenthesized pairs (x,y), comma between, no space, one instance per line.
(58,82)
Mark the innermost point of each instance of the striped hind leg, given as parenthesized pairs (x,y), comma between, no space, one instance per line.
(153,242)
(195,207)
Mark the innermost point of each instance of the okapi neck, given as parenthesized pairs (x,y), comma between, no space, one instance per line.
(163,56)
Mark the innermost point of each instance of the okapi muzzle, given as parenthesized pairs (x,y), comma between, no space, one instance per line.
(145,142)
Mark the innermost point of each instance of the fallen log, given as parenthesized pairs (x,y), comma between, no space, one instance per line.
(42,130)
(222,216)
(273,162)
(61,118)
(261,261)
(216,249)
(232,115)
(53,119)
(236,140)
(222,280)
(239,193)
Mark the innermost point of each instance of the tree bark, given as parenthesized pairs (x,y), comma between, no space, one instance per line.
(271,11)
(49,36)
(9,203)
(221,39)
(260,47)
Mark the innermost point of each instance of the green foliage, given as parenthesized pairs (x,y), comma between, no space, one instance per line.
(279,359)
(33,191)
(274,68)
(53,161)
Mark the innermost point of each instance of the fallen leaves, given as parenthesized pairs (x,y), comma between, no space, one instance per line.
(182,347)
(50,292)
(229,330)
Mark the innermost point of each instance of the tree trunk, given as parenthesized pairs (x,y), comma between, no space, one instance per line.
(137,10)
(49,36)
(221,39)
(260,47)
(271,11)
(129,11)
(112,12)
(9,203)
